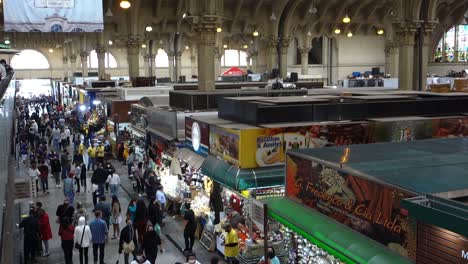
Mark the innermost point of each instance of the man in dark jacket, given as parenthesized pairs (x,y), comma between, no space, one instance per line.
(190,228)
(99,178)
(151,241)
(126,235)
(64,211)
(31,236)
(56,168)
(66,164)
(154,212)
(105,209)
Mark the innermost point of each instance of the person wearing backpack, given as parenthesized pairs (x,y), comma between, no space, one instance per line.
(83,239)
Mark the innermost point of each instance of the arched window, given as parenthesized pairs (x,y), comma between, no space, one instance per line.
(234,58)
(109,59)
(453,46)
(162,61)
(29,59)
(56,28)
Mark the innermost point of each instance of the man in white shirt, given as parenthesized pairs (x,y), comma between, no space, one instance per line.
(56,139)
(114,182)
(67,135)
(161,198)
(34,173)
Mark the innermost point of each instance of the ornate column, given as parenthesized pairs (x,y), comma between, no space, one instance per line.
(427,31)
(272,47)
(455,46)
(193,65)
(253,55)
(84,63)
(73,64)
(178,65)
(391,58)
(406,33)
(101,55)
(133,56)
(65,66)
(170,57)
(304,60)
(217,62)
(151,61)
(283,65)
(146,65)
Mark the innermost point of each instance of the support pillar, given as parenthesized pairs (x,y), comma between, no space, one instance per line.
(133,50)
(193,65)
(206,58)
(65,66)
(84,63)
(101,55)
(426,52)
(178,66)
(391,59)
(283,64)
(272,47)
(72,65)
(254,63)
(304,60)
(455,46)
(217,62)
(170,57)
(151,65)
(406,33)
(146,65)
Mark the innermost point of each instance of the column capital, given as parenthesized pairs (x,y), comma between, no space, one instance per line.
(304,50)
(205,23)
(171,53)
(271,41)
(73,58)
(178,54)
(284,43)
(84,55)
(390,47)
(100,49)
(65,59)
(253,53)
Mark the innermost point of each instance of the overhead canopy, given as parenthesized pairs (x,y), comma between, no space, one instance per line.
(234,71)
(337,239)
(242,179)
(192,158)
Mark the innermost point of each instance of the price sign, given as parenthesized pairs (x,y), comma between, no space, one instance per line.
(257,213)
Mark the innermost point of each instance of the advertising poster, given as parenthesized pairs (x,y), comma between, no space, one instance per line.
(265,147)
(53,15)
(450,127)
(368,207)
(197,136)
(401,130)
(224,144)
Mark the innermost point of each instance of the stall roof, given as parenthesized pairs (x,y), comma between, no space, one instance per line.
(332,236)
(192,158)
(435,166)
(156,100)
(242,179)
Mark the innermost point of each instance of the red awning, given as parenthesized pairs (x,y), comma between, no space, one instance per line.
(233,71)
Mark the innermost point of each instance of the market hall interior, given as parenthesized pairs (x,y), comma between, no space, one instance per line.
(222,131)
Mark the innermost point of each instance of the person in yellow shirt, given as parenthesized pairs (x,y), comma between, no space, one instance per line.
(81,149)
(231,244)
(91,157)
(100,152)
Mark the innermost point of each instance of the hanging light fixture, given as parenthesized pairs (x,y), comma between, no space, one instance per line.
(380,31)
(346,19)
(337,31)
(255,33)
(111,42)
(272,17)
(109,13)
(186,47)
(143,46)
(149,28)
(225,46)
(246,46)
(51,50)
(219,29)
(7,41)
(125,4)
(349,35)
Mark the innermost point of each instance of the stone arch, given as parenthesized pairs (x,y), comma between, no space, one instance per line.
(40,59)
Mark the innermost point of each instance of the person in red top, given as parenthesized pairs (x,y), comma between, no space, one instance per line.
(44,170)
(44,228)
(67,233)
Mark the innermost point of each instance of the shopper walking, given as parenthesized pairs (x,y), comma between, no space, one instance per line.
(272,258)
(114,182)
(161,197)
(83,176)
(91,157)
(55,138)
(79,212)
(34,175)
(31,235)
(128,241)
(141,259)
(141,218)
(116,217)
(66,163)
(151,242)
(83,239)
(99,233)
(105,210)
(77,172)
(44,228)
(56,168)
(192,259)
(44,175)
(66,233)
(69,188)
(131,210)
(190,228)
(154,213)
(100,152)
(231,244)
(64,211)
(99,178)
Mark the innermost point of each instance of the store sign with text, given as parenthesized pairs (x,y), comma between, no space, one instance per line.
(197,136)
(224,144)
(370,208)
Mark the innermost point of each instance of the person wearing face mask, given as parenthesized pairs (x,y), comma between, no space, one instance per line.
(272,258)
(151,241)
(192,259)
(140,259)
(128,241)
